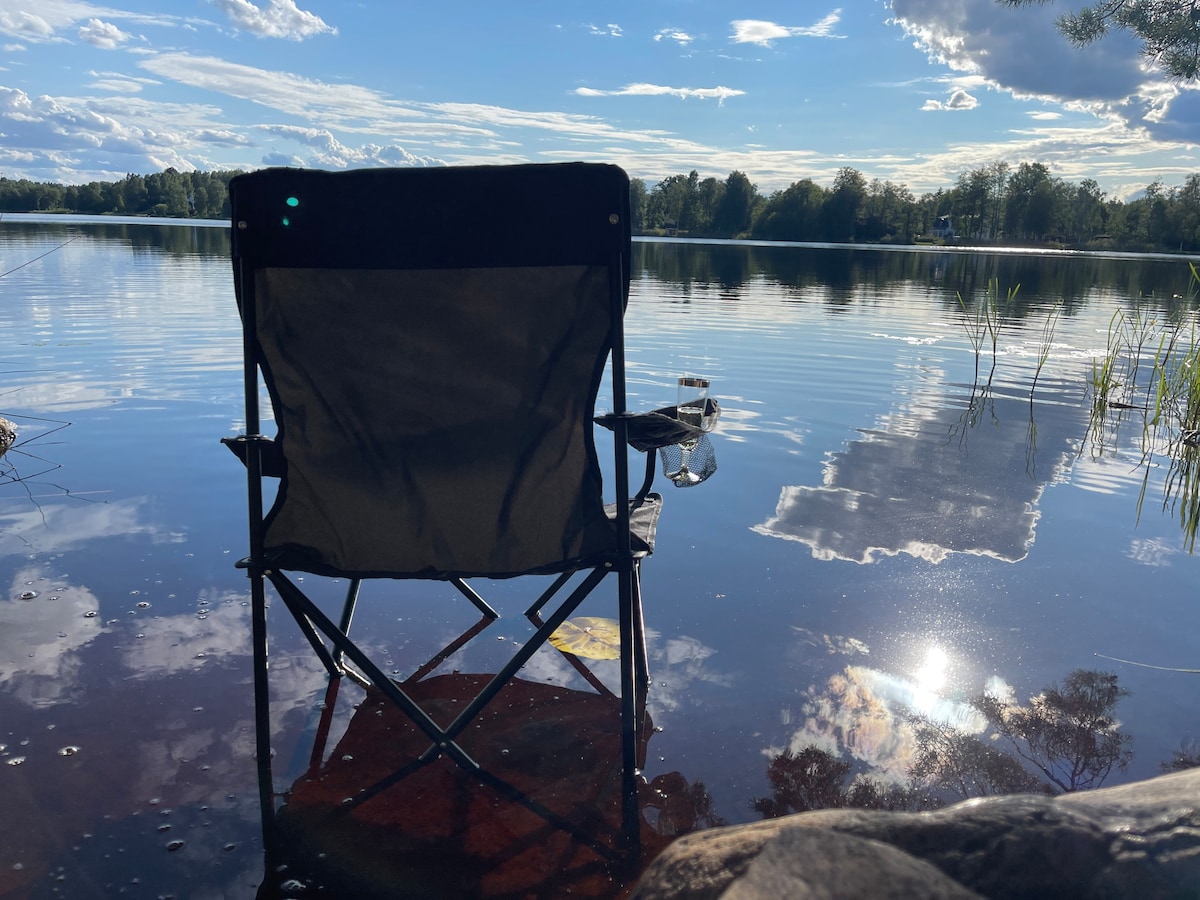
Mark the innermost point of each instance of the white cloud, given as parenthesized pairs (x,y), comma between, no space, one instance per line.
(330,153)
(53,16)
(1020,51)
(959,99)
(279,19)
(609,30)
(104,35)
(20,23)
(674,34)
(719,93)
(757,31)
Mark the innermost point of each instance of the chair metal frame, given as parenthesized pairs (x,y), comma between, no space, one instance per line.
(257,203)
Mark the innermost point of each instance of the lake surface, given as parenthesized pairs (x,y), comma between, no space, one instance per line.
(896,523)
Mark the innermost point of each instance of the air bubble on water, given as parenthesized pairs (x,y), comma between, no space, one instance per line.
(139,636)
(90,614)
(28,595)
(15,761)
(172,846)
(165,826)
(292,885)
(347,758)
(69,750)
(229,847)
(52,597)
(143,604)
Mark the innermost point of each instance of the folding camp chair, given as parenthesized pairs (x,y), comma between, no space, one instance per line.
(433,342)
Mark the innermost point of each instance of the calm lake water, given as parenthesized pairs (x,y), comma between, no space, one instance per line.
(886,530)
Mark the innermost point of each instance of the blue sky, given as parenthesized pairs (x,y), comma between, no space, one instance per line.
(912,91)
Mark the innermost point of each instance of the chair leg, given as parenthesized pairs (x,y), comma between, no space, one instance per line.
(630,813)
(639,627)
(262,715)
(347,616)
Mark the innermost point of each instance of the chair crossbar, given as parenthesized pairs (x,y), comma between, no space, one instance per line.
(467,591)
(302,607)
(522,656)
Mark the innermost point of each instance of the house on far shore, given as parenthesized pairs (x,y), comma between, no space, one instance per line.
(943,229)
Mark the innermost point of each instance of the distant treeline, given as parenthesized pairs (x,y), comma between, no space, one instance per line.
(995,204)
(200,195)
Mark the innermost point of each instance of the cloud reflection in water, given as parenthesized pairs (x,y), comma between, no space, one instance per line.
(862,711)
(933,479)
(40,637)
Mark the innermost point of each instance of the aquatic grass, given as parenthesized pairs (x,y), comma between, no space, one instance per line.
(1045,344)
(985,319)
(1151,369)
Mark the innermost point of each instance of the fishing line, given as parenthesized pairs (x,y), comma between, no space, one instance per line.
(36,258)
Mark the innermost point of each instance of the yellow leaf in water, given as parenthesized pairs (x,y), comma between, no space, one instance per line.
(589,637)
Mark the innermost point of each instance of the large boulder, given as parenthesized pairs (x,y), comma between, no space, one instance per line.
(1139,841)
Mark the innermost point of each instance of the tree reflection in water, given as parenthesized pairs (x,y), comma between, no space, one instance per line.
(1066,739)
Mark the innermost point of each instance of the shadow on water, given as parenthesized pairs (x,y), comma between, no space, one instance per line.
(542,818)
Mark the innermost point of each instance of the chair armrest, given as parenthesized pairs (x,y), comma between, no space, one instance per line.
(273,465)
(662,428)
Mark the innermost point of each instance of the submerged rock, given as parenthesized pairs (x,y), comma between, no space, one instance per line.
(1139,840)
(8,434)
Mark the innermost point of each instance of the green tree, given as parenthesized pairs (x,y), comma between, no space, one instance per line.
(791,215)
(843,205)
(136,195)
(1168,29)
(1184,214)
(972,198)
(1029,206)
(888,212)
(735,211)
(673,202)
(708,195)
(1087,210)
(637,205)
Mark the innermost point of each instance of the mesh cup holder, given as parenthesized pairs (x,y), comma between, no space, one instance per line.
(687,455)
(690,463)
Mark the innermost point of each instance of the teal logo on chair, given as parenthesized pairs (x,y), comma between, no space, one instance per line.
(293,203)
